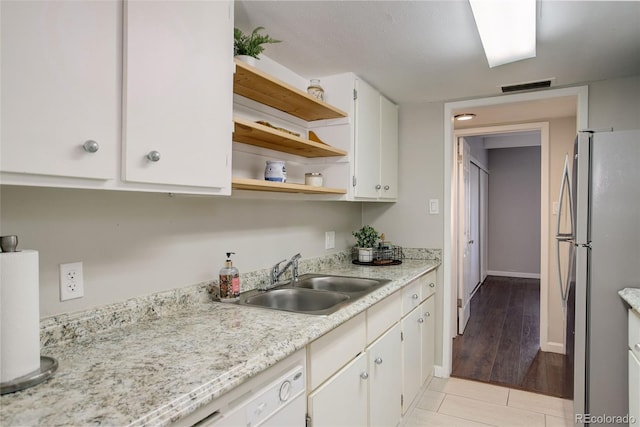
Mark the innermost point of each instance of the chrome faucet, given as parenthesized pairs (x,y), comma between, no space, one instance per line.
(276,272)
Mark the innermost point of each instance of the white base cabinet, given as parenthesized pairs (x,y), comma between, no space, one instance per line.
(634,368)
(385,379)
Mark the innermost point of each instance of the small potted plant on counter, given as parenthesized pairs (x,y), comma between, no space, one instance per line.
(366,239)
(247,47)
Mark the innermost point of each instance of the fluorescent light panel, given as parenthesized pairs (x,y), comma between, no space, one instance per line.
(507,29)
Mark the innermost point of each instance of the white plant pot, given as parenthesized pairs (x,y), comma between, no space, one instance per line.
(247,59)
(365,254)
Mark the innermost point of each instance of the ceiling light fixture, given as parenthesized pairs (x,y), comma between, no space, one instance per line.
(464,116)
(507,29)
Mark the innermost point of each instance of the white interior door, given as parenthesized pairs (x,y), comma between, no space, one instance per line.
(464,233)
(474,229)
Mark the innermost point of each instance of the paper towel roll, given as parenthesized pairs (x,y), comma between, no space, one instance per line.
(19,314)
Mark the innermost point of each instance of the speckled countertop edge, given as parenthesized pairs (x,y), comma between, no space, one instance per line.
(632,297)
(155,372)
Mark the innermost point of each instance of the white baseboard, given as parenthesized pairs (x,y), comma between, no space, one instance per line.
(440,372)
(513,274)
(553,347)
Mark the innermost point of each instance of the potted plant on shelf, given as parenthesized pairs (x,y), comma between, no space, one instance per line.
(247,47)
(366,239)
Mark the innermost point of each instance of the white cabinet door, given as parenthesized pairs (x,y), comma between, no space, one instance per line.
(428,338)
(342,400)
(367,137)
(411,363)
(178,88)
(388,149)
(61,68)
(385,379)
(634,389)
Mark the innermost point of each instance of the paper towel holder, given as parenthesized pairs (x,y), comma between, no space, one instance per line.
(48,366)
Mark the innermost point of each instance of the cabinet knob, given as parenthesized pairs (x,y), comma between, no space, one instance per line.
(154,156)
(427,314)
(364,375)
(414,296)
(378,360)
(421,320)
(432,285)
(378,187)
(386,187)
(91,146)
(637,347)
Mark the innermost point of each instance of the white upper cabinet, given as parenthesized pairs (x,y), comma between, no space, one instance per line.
(376,145)
(178,80)
(388,149)
(367,146)
(61,68)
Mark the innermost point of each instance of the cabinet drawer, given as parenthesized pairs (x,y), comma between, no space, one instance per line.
(634,332)
(429,284)
(411,296)
(332,351)
(383,315)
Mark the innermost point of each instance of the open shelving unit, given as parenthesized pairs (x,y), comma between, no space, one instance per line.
(259,86)
(263,136)
(281,187)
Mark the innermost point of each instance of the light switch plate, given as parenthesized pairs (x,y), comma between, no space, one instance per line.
(330,240)
(434,206)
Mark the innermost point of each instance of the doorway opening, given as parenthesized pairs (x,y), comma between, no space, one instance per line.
(547,336)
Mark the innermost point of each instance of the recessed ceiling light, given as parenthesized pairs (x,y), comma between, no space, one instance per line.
(464,116)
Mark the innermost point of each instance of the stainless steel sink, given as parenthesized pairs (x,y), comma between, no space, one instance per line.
(313,294)
(339,283)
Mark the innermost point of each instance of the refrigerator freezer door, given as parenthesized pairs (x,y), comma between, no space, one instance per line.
(608,238)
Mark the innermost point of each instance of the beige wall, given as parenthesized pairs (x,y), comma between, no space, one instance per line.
(134,244)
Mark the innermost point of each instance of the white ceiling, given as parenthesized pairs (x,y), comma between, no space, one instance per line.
(424,51)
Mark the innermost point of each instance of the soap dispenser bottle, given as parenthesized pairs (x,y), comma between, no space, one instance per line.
(229,281)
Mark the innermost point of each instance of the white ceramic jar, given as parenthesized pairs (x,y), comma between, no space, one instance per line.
(313,179)
(275,171)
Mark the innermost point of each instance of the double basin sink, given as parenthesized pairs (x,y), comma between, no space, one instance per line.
(313,294)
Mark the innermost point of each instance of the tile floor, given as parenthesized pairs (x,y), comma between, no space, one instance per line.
(457,402)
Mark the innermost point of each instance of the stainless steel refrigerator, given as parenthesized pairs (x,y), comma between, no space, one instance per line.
(603,245)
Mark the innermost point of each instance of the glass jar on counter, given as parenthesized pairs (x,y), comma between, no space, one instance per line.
(313,179)
(316,90)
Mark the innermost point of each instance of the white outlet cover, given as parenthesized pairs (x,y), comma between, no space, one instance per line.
(434,206)
(71,281)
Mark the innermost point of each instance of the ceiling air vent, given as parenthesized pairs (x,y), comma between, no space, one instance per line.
(540,84)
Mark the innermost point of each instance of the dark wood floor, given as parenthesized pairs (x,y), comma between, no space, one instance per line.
(500,344)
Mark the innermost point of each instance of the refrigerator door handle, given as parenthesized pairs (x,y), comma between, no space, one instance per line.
(565,185)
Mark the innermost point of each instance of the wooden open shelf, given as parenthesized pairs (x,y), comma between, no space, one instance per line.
(254,84)
(252,133)
(281,187)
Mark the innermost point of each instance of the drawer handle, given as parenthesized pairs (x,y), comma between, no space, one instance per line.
(91,146)
(378,360)
(154,156)
(432,285)
(421,320)
(364,375)
(414,296)
(637,347)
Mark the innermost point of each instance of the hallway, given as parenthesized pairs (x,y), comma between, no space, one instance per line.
(500,344)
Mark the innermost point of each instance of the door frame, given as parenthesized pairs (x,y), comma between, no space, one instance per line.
(449,248)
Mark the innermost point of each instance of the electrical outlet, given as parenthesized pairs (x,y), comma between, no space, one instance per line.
(330,240)
(71,281)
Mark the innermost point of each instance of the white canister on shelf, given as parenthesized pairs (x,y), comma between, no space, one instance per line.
(313,179)
(275,171)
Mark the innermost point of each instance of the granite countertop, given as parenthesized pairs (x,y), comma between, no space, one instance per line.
(155,372)
(632,297)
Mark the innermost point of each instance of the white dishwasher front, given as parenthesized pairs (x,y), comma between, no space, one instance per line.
(280,404)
